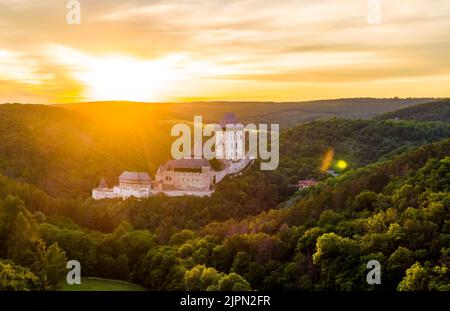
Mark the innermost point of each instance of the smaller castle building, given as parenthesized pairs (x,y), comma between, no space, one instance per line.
(131,184)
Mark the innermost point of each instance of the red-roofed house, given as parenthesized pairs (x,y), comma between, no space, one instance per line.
(306,183)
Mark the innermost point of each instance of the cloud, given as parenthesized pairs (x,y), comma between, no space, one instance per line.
(344,74)
(16,66)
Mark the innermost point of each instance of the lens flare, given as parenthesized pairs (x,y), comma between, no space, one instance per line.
(341,164)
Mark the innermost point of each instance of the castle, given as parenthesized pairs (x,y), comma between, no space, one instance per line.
(185,176)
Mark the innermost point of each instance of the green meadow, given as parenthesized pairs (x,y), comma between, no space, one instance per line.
(98,284)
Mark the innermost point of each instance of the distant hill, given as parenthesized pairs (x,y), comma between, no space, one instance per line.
(287,114)
(433,111)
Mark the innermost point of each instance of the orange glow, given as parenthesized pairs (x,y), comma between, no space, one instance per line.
(327,160)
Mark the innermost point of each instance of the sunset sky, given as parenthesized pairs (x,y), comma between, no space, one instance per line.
(176,50)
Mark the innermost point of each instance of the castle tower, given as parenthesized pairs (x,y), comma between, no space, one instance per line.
(230,141)
(102,185)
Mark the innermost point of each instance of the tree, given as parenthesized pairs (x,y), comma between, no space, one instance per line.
(137,243)
(204,278)
(234,282)
(416,279)
(9,208)
(181,237)
(17,278)
(337,257)
(424,277)
(160,269)
(398,262)
(201,278)
(25,247)
(55,265)
(366,200)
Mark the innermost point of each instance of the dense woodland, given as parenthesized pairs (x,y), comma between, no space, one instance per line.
(255,232)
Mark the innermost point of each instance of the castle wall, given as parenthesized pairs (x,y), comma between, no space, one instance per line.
(172,180)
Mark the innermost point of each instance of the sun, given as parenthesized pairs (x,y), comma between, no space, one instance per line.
(162,78)
(125,78)
(166,77)
(121,77)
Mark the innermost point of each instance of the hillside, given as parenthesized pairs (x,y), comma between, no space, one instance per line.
(433,111)
(394,211)
(390,204)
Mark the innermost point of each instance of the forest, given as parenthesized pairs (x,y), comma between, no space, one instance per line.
(256,232)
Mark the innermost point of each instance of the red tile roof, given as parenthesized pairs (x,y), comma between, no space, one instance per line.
(228,119)
(187,164)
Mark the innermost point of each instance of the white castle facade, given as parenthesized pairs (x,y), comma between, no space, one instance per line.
(185,176)
(230,140)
